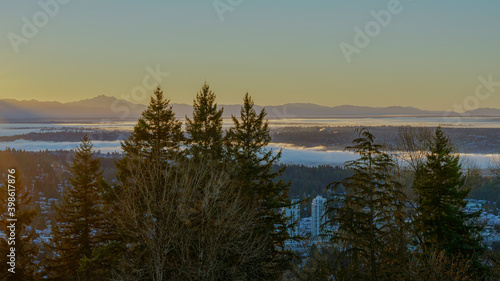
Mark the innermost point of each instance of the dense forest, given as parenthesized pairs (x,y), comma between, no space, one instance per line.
(48,169)
(197,202)
(465,140)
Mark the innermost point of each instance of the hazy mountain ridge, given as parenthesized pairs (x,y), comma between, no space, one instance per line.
(112,108)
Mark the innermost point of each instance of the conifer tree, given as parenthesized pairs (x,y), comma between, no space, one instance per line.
(155,141)
(369,215)
(156,137)
(263,186)
(157,131)
(205,129)
(26,249)
(442,223)
(80,222)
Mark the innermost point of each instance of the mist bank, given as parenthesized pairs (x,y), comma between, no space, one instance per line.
(290,154)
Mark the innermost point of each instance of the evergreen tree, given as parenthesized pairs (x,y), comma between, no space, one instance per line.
(442,223)
(155,141)
(157,131)
(80,222)
(105,258)
(25,248)
(205,130)
(156,137)
(261,185)
(369,215)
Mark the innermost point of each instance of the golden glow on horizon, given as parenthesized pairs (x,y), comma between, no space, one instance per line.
(289,55)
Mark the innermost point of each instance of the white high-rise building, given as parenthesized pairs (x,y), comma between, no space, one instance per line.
(318,219)
(293,213)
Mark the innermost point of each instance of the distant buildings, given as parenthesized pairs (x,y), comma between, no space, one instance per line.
(312,233)
(318,217)
(293,213)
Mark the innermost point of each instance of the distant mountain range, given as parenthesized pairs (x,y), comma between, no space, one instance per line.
(104,107)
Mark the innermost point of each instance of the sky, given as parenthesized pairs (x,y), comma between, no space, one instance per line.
(426,54)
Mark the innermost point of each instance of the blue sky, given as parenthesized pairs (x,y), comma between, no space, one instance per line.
(429,56)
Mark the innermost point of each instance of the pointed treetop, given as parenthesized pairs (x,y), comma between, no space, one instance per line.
(441,144)
(205,129)
(85,146)
(250,126)
(157,130)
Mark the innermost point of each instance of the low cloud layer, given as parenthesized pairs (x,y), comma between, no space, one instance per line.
(290,154)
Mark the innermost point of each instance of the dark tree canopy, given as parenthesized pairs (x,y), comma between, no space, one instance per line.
(205,129)
(368,215)
(157,131)
(442,222)
(262,186)
(80,221)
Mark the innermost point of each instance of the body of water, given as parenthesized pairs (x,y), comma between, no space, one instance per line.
(290,154)
(463,122)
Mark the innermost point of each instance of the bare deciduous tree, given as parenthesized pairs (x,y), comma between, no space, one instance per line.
(410,150)
(412,144)
(495,166)
(435,266)
(187,222)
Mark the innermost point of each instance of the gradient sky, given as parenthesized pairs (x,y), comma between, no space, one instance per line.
(280,51)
